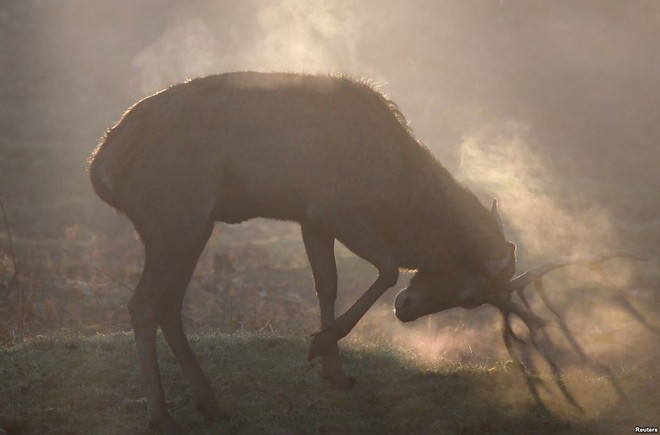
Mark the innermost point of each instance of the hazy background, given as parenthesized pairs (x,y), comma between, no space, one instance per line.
(552,106)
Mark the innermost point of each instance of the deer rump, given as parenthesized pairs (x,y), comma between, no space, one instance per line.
(331,153)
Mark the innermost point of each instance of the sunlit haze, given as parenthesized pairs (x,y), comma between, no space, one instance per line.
(552,107)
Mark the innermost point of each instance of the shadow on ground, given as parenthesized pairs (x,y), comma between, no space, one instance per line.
(55,385)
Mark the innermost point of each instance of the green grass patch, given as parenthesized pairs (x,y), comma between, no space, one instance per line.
(90,385)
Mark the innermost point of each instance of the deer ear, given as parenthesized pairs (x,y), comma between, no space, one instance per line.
(506,265)
(496,215)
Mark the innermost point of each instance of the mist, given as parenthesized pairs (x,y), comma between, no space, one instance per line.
(577,78)
(553,108)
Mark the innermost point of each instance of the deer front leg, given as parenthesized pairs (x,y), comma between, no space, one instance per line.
(347,321)
(319,246)
(358,236)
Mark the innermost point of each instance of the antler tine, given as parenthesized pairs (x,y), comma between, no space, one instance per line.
(532,381)
(508,307)
(593,261)
(508,329)
(534,324)
(496,215)
(557,374)
(575,345)
(538,286)
(523,298)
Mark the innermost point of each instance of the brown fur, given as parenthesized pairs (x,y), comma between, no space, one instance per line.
(329,152)
(284,146)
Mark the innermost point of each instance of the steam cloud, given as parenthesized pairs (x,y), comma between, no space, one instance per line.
(501,161)
(292,35)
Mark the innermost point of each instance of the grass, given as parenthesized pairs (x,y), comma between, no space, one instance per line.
(444,374)
(69,384)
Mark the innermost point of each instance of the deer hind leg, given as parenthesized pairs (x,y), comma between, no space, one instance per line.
(170,259)
(319,246)
(171,324)
(144,317)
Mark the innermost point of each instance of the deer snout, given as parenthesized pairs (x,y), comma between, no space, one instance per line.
(406,306)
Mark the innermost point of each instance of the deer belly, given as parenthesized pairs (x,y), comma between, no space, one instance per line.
(235,205)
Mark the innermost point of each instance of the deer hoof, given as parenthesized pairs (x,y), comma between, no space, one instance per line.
(322,343)
(165,425)
(340,382)
(212,412)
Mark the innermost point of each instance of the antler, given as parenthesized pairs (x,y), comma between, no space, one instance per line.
(594,262)
(496,215)
(501,298)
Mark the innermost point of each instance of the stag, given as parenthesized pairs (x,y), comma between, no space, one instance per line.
(330,153)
